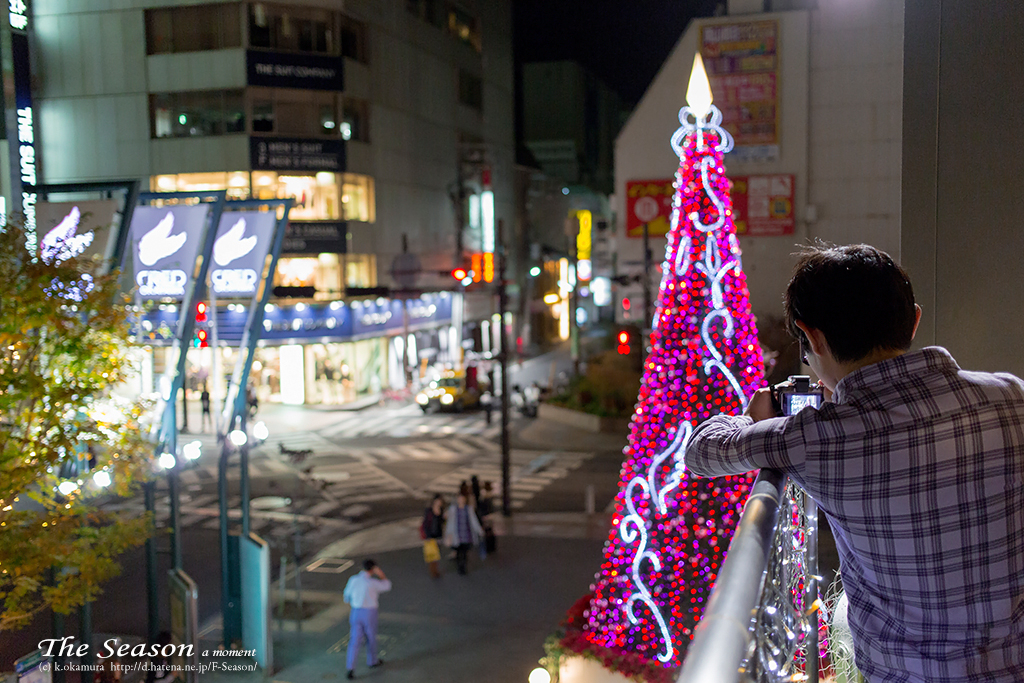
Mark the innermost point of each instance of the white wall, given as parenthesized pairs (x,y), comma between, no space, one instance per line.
(840,109)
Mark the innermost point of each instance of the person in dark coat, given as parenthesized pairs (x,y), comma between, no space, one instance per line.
(432,531)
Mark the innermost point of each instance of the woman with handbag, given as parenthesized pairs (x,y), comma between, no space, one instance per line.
(431,531)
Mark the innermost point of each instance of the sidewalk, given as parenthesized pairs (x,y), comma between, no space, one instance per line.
(489,625)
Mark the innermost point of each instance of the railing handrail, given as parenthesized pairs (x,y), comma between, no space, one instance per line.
(721,638)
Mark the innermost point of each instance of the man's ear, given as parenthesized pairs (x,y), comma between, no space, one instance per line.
(917,321)
(815,337)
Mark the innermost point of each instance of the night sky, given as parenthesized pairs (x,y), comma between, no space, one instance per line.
(623,42)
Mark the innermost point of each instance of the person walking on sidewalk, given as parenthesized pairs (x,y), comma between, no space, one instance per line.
(432,531)
(204,399)
(361,593)
(463,530)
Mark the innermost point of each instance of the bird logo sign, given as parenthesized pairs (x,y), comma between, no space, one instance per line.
(231,245)
(154,246)
(61,243)
(158,243)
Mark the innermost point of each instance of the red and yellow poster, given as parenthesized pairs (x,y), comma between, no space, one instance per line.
(762,205)
(650,202)
(743,66)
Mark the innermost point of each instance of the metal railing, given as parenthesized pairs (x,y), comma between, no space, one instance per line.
(761,623)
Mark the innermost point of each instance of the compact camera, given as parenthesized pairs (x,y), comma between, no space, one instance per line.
(795,394)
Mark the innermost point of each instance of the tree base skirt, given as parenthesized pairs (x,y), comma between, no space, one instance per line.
(584,670)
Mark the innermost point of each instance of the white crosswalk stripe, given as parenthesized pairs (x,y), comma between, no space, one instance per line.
(409,421)
(525,481)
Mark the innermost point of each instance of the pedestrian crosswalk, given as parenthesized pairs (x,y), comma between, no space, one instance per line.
(531,472)
(410,421)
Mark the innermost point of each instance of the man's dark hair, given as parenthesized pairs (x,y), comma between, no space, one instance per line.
(368,565)
(856,295)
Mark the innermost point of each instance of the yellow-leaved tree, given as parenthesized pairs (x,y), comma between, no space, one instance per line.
(66,442)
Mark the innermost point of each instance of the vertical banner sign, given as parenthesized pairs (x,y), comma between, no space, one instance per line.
(763,205)
(743,66)
(243,242)
(23,153)
(650,202)
(164,244)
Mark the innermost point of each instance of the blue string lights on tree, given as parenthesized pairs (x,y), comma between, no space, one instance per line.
(670,532)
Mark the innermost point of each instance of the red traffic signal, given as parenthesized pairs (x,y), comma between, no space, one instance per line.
(623,338)
(200,312)
(460,274)
(201,336)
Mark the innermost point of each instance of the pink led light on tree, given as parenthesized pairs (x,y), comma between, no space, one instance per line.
(670,532)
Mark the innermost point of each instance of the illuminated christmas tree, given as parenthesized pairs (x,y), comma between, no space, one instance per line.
(670,531)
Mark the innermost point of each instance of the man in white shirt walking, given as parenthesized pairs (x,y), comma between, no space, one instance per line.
(361,593)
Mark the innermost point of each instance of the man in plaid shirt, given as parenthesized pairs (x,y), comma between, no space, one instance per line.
(918,465)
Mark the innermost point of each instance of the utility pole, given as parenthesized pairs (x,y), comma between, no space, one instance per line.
(646,326)
(506,449)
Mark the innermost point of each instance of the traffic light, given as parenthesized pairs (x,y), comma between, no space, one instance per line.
(626,305)
(201,312)
(200,341)
(460,274)
(623,338)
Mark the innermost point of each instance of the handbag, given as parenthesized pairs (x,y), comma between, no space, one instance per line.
(431,553)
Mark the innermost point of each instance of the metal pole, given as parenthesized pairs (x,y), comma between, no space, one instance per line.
(506,457)
(243,483)
(58,660)
(646,326)
(173,492)
(282,586)
(88,658)
(811,515)
(152,605)
(222,503)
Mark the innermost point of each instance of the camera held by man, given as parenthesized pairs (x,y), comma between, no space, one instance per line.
(795,394)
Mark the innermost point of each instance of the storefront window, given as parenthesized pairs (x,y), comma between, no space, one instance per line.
(360,270)
(315,194)
(235,182)
(357,200)
(323,273)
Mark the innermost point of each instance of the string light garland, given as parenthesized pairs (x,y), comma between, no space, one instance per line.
(669,532)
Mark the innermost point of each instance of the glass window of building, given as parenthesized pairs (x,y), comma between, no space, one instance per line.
(294,29)
(357,198)
(235,182)
(321,274)
(200,113)
(464,26)
(360,270)
(191,29)
(299,113)
(471,90)
(353,39)
(317,195)
(355,119)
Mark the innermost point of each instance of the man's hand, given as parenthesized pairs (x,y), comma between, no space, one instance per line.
(760,406)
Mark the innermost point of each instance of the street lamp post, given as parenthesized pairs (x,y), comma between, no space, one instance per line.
(506,451)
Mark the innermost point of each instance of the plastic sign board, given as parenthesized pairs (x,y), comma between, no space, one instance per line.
(164,244)
(650,202)
(76,229)
(763,205)
(239,252)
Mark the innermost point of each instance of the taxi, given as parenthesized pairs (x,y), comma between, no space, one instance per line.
(448,392)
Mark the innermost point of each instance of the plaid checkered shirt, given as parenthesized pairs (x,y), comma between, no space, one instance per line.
(919,467)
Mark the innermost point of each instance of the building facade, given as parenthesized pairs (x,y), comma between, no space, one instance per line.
(386,120)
